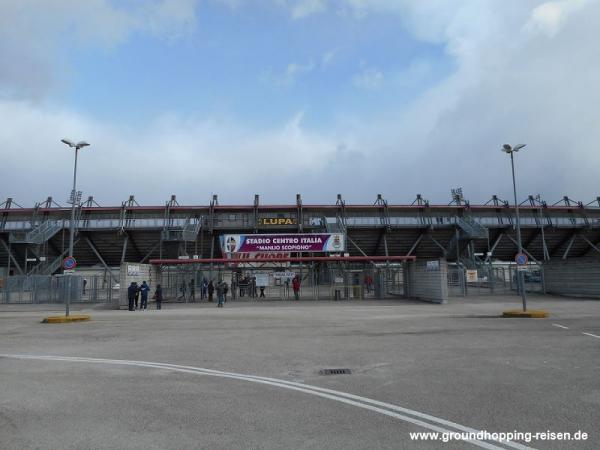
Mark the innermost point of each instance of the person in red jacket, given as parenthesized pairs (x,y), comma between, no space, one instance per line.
(296,287)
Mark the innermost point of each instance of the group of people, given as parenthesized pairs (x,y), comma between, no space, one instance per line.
(137,295)
(207,291)
(247,285)
(136,292)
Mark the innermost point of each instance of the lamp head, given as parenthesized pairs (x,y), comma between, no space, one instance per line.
(68,142)
(518,147)
(507,148)
(81,144)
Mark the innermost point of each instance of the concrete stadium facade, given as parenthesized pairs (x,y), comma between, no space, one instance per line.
(35,240)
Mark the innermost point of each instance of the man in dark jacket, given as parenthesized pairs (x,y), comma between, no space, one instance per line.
(137,294)
(220,290)
(158,296)
(211,290)
(131,291)
(204,293)
(144,289)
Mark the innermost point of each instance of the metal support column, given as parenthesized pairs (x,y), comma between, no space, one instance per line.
(11,257)
(124,252)
(571,241)
(97,253)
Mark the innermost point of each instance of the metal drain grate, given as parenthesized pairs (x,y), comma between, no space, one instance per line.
(335,372)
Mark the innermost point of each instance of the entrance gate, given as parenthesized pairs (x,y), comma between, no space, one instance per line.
(321,278)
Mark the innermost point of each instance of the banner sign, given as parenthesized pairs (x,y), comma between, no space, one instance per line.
(432,266)
(133,271)
(262,279)
(307,242)
(284,275)
(266,256)
(277,221)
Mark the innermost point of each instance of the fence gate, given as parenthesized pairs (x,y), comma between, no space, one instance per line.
(43,289)
(492,279)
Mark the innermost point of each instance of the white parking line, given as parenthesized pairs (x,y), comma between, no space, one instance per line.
(342,397)
(560,326)
(592,335)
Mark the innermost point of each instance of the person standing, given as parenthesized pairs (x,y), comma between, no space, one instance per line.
(296,287)
(204,289)
(137,294)
(225,290)
(158,296)
(254,290)
(131,291)
(220,295)
(183,290)
(233,288)
(192,290)
(369,283)
(211,290)
(144,289)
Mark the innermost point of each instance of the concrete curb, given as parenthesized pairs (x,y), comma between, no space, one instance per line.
(531,314)
(67,319)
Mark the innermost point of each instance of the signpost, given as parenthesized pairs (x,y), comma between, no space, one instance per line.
(69,264)
(521,260)
(472,276)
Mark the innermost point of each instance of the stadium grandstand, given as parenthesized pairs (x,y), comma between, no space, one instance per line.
(34,240)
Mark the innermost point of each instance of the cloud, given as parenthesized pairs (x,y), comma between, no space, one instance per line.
(179,155)
(524,73)
(328,57)
(35,36)
(368,78)
(291,74)
(520,73)
(549,17)
(305,8)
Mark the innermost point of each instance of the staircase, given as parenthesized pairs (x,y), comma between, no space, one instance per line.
(48,268)
(468,230)
(471,229)
(188,232)
(38,235)
(336,227)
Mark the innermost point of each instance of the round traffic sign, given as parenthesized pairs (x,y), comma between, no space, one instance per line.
(69,263)
(521,259)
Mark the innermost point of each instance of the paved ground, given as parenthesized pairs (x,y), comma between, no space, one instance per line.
(454,362)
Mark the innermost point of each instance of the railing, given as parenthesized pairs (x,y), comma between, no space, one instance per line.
(39,234)
(188,231)
(471,228)
(48,268)
(240,221)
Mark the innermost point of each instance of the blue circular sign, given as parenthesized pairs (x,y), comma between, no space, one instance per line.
(521,259)
(69,263)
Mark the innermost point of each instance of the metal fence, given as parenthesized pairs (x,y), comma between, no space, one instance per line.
(493,279)
(40,289)
(331,281)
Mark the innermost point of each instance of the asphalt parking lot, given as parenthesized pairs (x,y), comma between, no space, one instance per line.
(248,375)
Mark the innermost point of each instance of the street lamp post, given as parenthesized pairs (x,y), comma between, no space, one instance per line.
(520,281)
(74,201)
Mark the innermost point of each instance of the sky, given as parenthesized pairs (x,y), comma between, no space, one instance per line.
(317,97)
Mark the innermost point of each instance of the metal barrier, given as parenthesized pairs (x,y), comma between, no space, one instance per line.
(492,279)
(324,281)
(40,289)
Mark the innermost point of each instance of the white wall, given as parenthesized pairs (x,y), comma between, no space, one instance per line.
(135,272)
